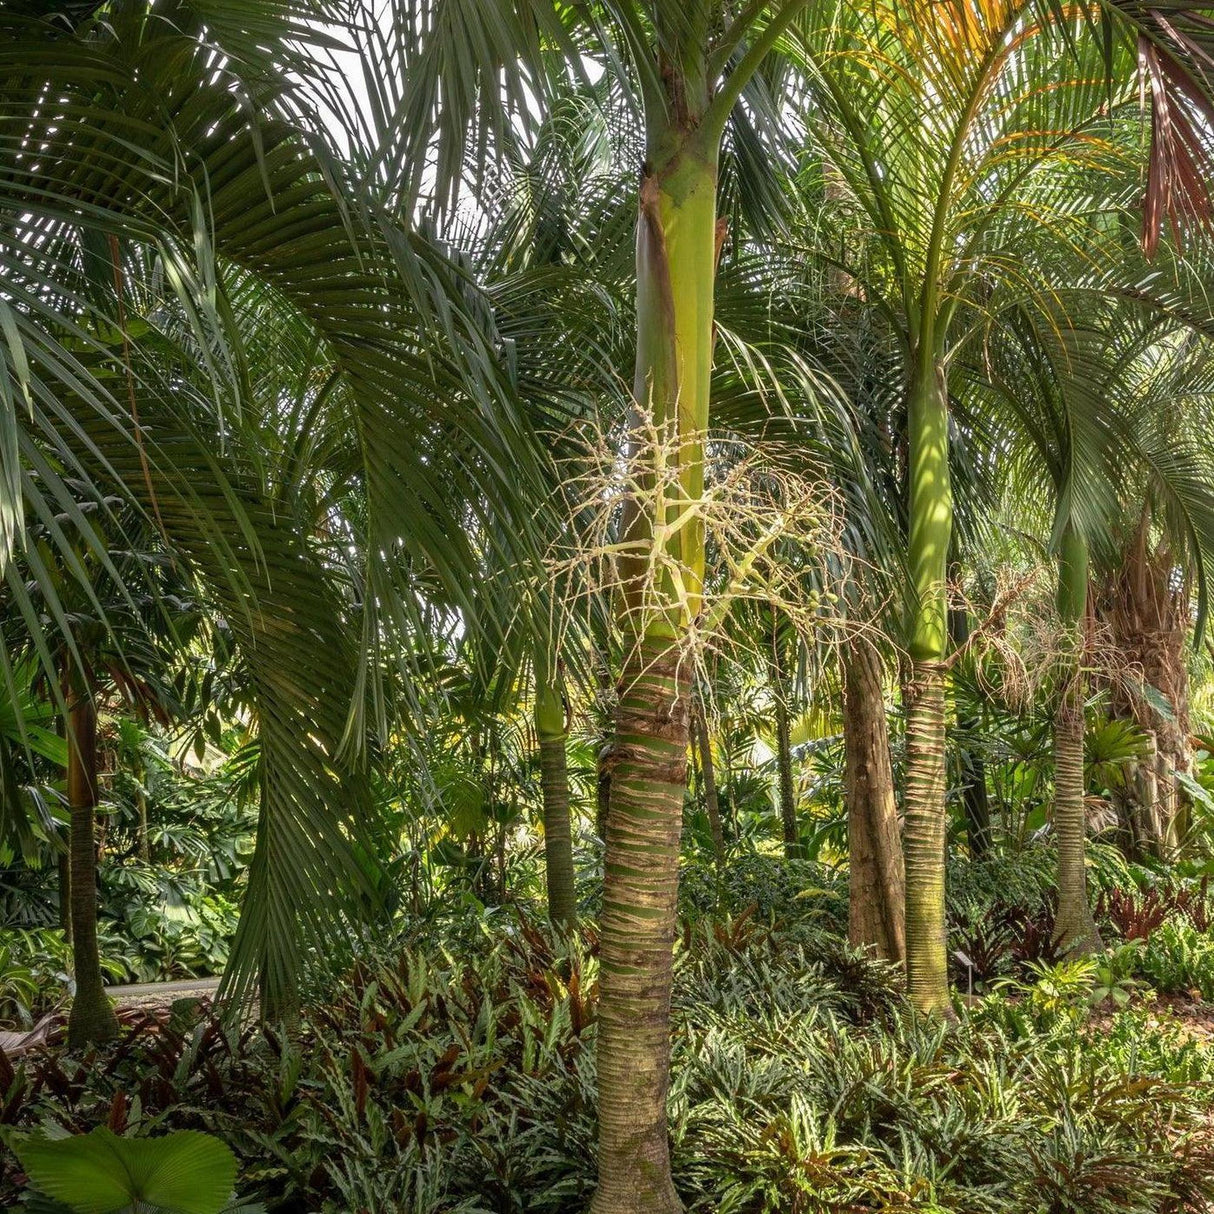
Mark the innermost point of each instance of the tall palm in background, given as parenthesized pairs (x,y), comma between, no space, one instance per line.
(993,121)
(1082,428)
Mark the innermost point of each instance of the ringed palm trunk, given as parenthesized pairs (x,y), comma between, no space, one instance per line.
(678,238)
(92,1017)
(676,263)
(1075,931)
(931,516)
(876,916)
(554,781)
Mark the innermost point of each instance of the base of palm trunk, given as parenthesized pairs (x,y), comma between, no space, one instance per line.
(924,842)
(650,1197)
(91,1020)
(1076,933)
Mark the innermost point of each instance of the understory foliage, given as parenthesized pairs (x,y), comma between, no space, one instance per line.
(452,1070)
(461,459)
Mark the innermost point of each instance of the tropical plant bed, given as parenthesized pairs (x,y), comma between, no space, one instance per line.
(802,1083)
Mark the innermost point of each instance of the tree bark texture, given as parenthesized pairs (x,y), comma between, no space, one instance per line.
(1075,930)
(554,782)
(877,881)
(91,1018)
(1147,612)
(638,928)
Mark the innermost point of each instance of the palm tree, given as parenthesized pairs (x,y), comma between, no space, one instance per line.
(966,143)
(691,63)
(1083,398)
(178,224)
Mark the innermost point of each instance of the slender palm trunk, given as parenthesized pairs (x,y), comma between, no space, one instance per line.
(92,1017)
(973,769)
(1075,930)
(708,778)
(877,882)
(787,791)
(931,514)
(676,265)
(554,781)
(143,838)
(65,892)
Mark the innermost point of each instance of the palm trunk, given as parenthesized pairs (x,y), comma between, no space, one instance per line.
(1148,613)
(785,789)
(638,929)
(877,883)
(973,769)
(788,801)
(143,839)
(678,239)
(676,265)
(931,512)
(92,1017)
(554,782)
(65,892)
(602,786)
(1075,931)
(708,779)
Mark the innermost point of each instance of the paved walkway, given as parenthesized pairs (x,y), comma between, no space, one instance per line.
(158,994)
(138,996)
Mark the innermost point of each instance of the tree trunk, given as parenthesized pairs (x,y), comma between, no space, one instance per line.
(676,252)
(143,840)
(554,781)
(1147,609)
(65,891)
(788,800)
(1075,930)
(930,519)
(708,777)
(678,240)
(92,1017)
(973,768)
(638,929)
(877,883)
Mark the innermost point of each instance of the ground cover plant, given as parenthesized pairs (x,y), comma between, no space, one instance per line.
(459,1076)
(629,581)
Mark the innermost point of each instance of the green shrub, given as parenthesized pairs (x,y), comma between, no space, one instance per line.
(36,972)
(455,1075)
(1178,959)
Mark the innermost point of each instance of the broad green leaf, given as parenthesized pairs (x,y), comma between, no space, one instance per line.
(185,1172)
